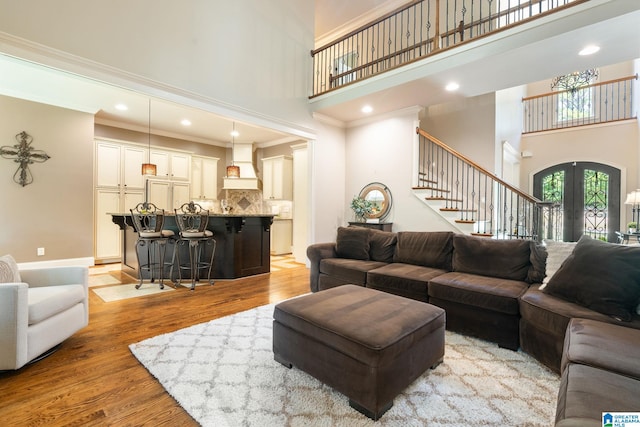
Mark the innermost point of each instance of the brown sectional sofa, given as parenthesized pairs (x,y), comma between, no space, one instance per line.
(492,289)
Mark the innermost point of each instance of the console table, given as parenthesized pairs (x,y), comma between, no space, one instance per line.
(384,226)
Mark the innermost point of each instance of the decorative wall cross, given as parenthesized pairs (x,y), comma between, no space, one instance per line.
(23,154)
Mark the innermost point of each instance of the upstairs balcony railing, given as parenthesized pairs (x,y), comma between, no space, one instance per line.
(415,31)
(494,207)
(602,102)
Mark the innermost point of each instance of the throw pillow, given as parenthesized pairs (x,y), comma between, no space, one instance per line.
(9,270)
(604,277)
(382,245)
(557,252)
(425,248)
(538,259)
(353,243)
(507,259)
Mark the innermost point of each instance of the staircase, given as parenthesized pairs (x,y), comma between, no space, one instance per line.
(472,199)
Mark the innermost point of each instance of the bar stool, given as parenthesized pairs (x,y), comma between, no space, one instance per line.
(148,221)
(192,222)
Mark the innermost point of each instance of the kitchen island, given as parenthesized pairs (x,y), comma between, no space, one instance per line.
(242,245)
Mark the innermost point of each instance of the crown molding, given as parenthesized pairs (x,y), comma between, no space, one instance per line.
(329,121)
(414,111)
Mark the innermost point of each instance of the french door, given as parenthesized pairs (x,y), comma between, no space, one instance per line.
(587,200)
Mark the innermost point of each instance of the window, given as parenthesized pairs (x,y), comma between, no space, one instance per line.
(575,99)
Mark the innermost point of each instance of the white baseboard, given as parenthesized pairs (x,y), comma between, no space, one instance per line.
(84,262)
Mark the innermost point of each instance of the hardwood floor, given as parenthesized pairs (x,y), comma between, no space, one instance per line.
(93,379)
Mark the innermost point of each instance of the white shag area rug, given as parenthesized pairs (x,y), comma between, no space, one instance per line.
(223,374)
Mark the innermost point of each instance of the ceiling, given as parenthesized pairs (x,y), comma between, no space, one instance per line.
(492,65)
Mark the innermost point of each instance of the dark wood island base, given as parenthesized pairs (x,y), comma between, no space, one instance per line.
(243,245)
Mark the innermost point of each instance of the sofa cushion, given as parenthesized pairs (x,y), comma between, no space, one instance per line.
(538,261)
(552,314)
(46,301)
(9,272)
(426,248)
(382,245)
(602,345)
(490,293)
(353,243)
(506,259)
(557,252)
(586,392)
(406,280)
(350,270)
(604,277)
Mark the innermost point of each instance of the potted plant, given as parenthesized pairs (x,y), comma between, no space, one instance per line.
(361,208)
(633,226)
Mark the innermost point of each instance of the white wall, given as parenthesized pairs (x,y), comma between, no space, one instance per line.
(508,126)
(248,56)
(382,151)
(467,125)
(327,169)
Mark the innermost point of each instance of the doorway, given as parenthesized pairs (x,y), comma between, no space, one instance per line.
(586,196)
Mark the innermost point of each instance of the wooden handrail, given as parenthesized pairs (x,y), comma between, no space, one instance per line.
(505,12)
(477,166)
(621,79)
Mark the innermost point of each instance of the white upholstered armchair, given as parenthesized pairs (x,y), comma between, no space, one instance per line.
(39,310)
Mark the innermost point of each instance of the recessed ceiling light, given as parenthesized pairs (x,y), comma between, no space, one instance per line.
(121,107)
(367,109)
(235,133)
(186,122)
(589,50)
(452,86)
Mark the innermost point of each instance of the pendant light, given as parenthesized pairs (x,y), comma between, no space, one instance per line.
(149,168)
(233,171)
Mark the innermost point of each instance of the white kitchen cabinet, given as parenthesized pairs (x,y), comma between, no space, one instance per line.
(204,177)
(119,187)
(132,160)
(281,236)
(171,165)
(277,177)
(168,195)
(118,165)
(111,200)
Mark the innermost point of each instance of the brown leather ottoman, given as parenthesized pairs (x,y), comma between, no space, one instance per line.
(366,344)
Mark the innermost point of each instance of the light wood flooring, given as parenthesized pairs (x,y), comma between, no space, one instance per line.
(94,380)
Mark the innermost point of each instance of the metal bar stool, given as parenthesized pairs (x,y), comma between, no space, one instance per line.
(192,222)
(148,221)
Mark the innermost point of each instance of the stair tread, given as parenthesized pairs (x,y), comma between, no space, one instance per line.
(465,221)
(482,234)
(458,210)
(432,188)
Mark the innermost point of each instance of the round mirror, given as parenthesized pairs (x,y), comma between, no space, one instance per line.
(380,198)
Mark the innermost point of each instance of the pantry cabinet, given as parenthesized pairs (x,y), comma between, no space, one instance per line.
(204,177)
(119,187)
(277,177)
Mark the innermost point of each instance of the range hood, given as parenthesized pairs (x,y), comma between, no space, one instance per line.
(243,158)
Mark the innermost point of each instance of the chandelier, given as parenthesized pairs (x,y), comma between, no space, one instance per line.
(575,80)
